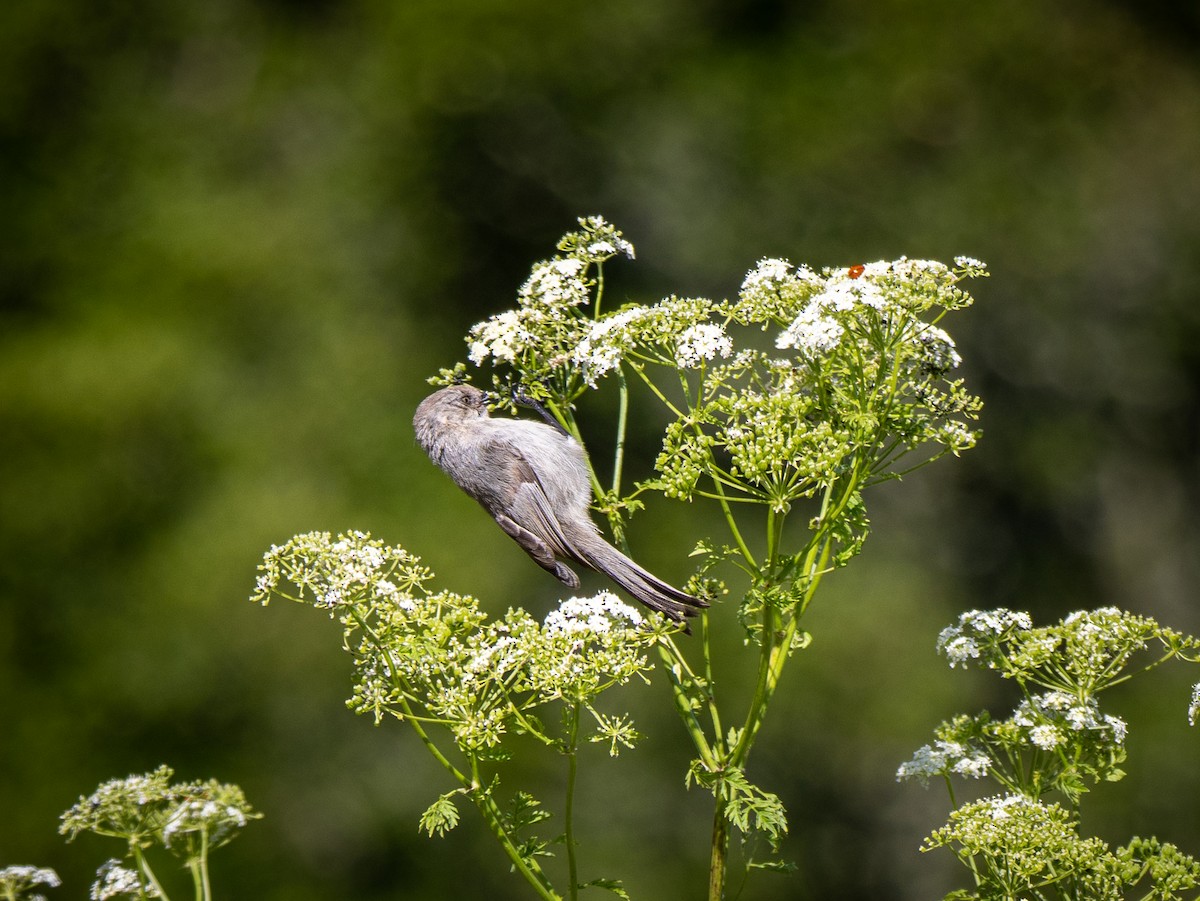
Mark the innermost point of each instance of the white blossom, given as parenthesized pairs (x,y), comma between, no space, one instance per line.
(959,649)
(1046,737)
(556,283)
(811,332)
(502,338)
(942,758)
(1001,808)
(704,341)
(940,354)
(1118,728)
(114,880)
(595,614)
(604,346)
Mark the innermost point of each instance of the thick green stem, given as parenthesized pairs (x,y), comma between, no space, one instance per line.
(622,421)
(676,667)
(569,807)
(720,852)
(200,870)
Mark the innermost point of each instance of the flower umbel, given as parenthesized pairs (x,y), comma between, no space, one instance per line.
(17,882)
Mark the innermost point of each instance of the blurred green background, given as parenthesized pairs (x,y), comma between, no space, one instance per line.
(237,236)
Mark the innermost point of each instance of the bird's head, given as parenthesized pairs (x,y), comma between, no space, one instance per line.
(446,407)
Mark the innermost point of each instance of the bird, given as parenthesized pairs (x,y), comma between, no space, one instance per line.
(533,478)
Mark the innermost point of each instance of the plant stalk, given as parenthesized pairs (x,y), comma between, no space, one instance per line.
(720,852)
(569,807)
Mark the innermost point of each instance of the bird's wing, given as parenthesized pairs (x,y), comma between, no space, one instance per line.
(528,503)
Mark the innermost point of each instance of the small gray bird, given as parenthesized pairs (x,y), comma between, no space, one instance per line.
(532,477)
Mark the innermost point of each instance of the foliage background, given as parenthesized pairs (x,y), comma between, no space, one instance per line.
(237,235)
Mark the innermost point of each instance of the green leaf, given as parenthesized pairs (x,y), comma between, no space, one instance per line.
(610,885)
(524,811)
(441,817)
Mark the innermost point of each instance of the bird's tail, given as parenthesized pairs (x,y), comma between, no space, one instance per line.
(644,586)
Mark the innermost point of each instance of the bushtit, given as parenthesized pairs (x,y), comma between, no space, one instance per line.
(532,477)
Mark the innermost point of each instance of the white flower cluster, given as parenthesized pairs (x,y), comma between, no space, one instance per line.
(675,331)
(15,881)
(812,333)
(1047,719)
(1194,706)
(115,881)
(547,326)
(1002,808)
(148,809)
(703,341)
(336,573)
(941,355)
(556,283)
(502,338)
(961,642)
(595,615)
(606,342)
(206,814)
(819,309)
(942,759)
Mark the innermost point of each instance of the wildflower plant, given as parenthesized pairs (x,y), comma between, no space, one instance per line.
(187,819)
(433,659)
(782,407)
(1055,743)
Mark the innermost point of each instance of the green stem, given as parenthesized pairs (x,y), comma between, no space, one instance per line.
(143,866)
(528,869)
(769,650)
(732,523)
(657,392)
(599,291)
(718,859)
(676,666)
(204,888)
(622,420)
(710,685)
(569,808)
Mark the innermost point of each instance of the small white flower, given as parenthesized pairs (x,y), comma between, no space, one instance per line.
(502,338)
(595,614)
(1118,727)
(975,766)
(114,880)
(604,346)
(1000,807)
(812,333)
(957,647)
(1055,700)
(1046,737)
(925,762)
(767,274)
(556,283)
(1194,707)
(1082,717)
(947,756)
(704,341)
